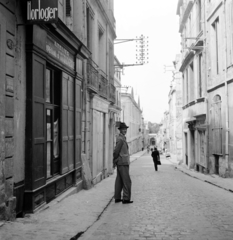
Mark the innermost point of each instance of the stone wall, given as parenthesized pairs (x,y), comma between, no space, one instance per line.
(7,63)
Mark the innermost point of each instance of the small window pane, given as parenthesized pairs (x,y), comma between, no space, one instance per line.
(49,143)
(56,133)
(48,86)
(48,159)
(48,123)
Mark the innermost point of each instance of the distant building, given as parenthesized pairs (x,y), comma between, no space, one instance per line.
(131,114)
(166,129)
(175,112)
(153,139)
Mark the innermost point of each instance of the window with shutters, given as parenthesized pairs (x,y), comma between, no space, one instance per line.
(89,25)
(199,15)
(61,10)
(229,31)
(186,86)
(215,49)
(101,48)
(217,125)
(191,82)
(200,90)
(111,60)
(68,8)
(52,108)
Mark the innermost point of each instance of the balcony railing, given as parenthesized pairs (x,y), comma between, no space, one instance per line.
(103,85)
(98,83)
(92,76)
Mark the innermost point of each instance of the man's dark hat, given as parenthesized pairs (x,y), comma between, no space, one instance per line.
(122,125)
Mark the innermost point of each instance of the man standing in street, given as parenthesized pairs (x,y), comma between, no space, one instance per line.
(121,161)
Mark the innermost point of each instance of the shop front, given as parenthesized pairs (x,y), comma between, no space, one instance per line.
(54,65)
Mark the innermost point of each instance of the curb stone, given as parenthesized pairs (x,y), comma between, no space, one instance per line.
(187,172)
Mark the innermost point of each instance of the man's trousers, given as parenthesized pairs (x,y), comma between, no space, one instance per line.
(156,165)
(123,182)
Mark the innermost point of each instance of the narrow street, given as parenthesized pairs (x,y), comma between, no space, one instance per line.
(167,205)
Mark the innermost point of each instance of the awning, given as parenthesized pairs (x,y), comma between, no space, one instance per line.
(190,120)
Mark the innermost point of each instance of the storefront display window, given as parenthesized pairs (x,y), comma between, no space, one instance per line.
(52,90)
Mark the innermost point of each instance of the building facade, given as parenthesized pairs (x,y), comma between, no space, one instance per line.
(57,99)
(219,86)
(165,132)
(193,67)
(100,97)
(131,114)
(145,134)
(175,111)
(206,30)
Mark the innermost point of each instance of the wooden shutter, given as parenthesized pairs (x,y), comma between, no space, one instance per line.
(217,126)
(39,128)
(67,162)
(78,120)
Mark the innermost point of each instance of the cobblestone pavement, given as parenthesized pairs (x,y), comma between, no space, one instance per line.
(167,205)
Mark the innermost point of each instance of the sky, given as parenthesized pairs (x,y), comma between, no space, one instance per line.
(158,21)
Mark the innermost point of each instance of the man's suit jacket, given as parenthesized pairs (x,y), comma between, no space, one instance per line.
(121,151)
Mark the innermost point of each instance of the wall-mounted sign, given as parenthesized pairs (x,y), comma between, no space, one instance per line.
(56,50)
(42,11)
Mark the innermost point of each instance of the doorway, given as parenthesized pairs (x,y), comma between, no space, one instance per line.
(216,164)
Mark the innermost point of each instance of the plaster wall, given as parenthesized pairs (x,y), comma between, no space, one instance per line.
(8,127)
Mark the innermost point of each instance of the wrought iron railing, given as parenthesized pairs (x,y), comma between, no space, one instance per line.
(92,75)
(103,84)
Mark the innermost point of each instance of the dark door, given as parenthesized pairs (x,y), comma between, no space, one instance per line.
(186,148)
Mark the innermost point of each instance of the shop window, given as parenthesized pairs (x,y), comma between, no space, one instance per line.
(53,96)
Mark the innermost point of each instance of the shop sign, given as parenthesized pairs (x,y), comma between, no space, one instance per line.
(45,11)
(60,53)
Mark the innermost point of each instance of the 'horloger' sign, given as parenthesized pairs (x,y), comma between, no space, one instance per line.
(42,11)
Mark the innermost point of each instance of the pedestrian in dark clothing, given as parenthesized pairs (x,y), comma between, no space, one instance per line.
(121,161)
(156,158)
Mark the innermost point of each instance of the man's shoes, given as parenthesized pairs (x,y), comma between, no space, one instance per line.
(126,201)
(118,200)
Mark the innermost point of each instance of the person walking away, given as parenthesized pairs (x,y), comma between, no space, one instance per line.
(156,158)
(121,161)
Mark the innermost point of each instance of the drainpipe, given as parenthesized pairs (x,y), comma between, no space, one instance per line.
(85,105)
(206,94)
(226,94)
